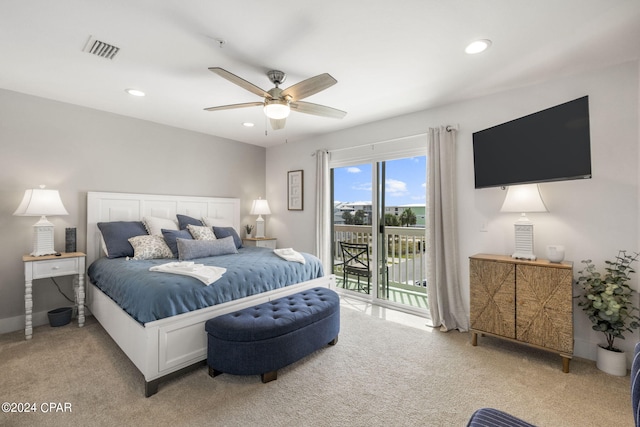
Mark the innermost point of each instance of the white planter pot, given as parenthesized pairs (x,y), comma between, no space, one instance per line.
(612,362)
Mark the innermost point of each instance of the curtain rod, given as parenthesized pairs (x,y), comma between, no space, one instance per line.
(449,128)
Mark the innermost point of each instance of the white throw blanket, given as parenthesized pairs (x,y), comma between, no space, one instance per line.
(207,274)
(290,255)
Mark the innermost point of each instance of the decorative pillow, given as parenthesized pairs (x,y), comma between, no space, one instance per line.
(184,220)
(154,225)
(216,222)
(170,237)
(116,236)
(201,232)
(150,247)
(192,249)
(222,232)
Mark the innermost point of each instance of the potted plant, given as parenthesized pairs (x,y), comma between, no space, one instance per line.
(607,300)
(248,228)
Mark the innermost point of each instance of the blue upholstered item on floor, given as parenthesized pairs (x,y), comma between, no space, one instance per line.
(635,385)
(489,417)
(270,336)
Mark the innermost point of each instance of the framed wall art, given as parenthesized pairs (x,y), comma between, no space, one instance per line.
(295,190)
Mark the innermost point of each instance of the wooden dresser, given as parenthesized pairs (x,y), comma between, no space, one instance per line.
(529,302)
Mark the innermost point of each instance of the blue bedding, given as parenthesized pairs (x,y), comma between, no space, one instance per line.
(149,296)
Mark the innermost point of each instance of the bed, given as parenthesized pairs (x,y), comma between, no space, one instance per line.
(168,344)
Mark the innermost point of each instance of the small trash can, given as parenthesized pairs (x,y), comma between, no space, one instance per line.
(60,316)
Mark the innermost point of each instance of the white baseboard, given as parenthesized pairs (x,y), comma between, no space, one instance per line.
(12,324)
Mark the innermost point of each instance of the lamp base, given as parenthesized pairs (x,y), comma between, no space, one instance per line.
(43,238)
(524,240)
(259,227)
(518,255)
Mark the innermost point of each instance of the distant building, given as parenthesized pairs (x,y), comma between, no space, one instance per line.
(352,207)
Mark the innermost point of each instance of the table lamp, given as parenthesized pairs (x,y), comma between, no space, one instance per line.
(524,198)
(260,207)
(41,202)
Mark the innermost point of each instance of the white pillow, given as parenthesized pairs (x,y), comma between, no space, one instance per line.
(154,225)
(217,222)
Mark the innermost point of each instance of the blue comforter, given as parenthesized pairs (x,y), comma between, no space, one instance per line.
(149,296)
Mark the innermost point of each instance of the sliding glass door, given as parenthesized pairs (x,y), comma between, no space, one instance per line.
(379,207)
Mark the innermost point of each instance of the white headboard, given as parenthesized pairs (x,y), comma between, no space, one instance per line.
(104,207)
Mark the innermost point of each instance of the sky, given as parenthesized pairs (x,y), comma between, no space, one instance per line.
(405,182)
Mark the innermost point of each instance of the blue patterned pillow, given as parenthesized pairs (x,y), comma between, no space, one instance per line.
(192,249)
(184,220)
(150,247)
(170,237)
(222,232)
(116,236)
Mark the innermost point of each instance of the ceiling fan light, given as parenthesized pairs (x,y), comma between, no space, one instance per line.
(276,109)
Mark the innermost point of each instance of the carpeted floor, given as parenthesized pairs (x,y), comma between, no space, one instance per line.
(379,373)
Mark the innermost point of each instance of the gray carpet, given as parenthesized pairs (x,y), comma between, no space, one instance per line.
(379,373)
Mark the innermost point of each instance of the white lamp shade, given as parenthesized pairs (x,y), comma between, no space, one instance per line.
(38,202)
(276,109)
(260,207)
(523,198)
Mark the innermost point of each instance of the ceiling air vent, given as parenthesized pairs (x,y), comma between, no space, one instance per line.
(100,48)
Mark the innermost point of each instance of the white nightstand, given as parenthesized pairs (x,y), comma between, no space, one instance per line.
(262,242)
(43,267)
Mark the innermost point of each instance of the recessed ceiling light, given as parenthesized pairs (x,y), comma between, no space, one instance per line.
(135,92)
(478,46)
(248,124)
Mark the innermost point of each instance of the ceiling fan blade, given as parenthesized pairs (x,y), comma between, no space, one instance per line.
(232,106)
(240,82)
(277,124)
(318,110)
(309,87)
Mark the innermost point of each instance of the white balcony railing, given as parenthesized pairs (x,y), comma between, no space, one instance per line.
(405,251)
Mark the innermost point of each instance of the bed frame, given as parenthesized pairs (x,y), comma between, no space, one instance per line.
(168,347)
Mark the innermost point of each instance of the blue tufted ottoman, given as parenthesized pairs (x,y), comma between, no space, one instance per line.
(267,337)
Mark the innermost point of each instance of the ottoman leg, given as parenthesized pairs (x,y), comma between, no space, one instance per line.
(214,373)
(334,341)
(269,376)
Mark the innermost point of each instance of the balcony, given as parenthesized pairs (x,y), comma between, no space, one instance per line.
(405,267)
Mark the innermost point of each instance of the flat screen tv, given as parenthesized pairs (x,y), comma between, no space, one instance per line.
(550,145)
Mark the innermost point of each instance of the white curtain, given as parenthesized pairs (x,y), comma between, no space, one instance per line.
(323,210)
(443,284)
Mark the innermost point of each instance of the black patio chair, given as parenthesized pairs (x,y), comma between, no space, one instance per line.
(355,261)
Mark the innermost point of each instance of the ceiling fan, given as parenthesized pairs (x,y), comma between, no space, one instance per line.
(278,102)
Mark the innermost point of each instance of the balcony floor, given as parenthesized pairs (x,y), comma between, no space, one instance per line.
(398,293)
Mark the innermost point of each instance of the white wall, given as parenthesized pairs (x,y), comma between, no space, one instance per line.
(76,150)
(592,218)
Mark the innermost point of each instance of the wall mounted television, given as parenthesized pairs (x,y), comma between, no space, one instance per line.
(550,145)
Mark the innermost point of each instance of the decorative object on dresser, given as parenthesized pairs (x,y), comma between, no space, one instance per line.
(260,207)
(41,202)
(607,299)
(295,190)
(524,198)
(529,302)
(555,253)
